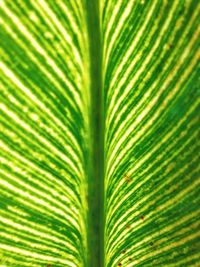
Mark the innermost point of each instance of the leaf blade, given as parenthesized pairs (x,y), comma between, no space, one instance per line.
(45,102)
(152,116)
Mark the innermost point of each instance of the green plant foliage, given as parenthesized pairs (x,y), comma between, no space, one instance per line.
(44,105)
(150,59)
(99,133)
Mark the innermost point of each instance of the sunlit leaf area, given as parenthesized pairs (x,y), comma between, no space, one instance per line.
(99,133)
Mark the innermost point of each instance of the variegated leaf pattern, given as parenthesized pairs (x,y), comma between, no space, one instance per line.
(152,135)
(44,132)
(51,133)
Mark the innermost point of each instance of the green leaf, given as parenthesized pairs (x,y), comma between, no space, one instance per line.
(152,107)
(44,147)
(99,133)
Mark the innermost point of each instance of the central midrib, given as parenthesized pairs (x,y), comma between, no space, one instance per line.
(96,173)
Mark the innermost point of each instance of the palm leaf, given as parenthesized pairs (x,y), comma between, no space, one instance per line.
(99,138)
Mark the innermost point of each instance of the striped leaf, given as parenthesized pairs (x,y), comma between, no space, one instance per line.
(152,109)
(99,133)
(44,132)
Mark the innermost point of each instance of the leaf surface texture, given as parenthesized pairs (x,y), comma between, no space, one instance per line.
(51,116)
